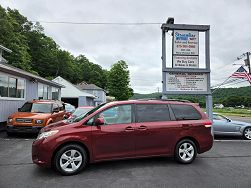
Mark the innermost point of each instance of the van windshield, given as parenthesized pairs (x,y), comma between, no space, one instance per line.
(79,118)
(36,108)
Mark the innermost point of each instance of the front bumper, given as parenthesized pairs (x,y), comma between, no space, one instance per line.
(23,129)
(41,153)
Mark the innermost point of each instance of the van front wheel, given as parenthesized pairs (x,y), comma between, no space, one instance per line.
(70,159)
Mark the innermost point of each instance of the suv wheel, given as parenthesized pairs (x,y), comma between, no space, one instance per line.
(247,133)
(10,133)
(70,159)
(185,151)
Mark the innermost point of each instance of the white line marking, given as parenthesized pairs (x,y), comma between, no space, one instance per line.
(232,141)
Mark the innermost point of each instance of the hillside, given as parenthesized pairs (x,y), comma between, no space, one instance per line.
(227,96)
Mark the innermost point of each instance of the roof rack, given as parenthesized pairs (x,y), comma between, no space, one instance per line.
(178,100)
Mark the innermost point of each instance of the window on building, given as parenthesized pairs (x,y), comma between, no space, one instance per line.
(11,87)
(55,93)
(3,86)
(40,91)
(43,91)
(46,88)
(152,113)
(20,88)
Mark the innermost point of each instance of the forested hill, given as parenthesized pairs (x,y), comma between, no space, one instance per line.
(38,53)
(226,96)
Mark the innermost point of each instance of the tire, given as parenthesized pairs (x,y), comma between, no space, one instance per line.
(70,159)
(185,151)
(10,133)
(247,133)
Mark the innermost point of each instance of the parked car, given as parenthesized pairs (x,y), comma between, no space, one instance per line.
(224,126)
(34,115)
(136,129)
(80,111)
(69,109)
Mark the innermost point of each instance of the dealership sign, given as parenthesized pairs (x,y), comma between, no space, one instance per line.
(186,82)
(185,61)
(185,42)
(185,49)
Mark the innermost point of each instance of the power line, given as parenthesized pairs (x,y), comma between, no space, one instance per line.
(240,81)
(97,23)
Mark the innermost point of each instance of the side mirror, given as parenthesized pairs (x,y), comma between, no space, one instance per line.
(18,109)
(99,121)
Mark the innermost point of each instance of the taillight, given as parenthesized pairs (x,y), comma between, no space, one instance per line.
(208,124)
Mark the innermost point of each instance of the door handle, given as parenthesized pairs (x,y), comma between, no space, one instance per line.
(129,129)
(142,127)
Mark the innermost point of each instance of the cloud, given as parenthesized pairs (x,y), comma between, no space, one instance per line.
(140,46)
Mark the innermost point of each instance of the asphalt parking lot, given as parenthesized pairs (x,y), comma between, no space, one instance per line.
(227,164)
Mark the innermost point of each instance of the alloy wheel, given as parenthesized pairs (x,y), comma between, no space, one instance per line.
(247,133)
(71,160)
(186,151)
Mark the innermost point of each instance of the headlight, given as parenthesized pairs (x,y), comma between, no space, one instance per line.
(39,121)
(46,134)
(10,120)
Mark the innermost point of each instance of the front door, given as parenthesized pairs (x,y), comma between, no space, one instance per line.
(222,125)
(114,139)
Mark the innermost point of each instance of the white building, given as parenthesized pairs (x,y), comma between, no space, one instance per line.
(71,94)
(98,92)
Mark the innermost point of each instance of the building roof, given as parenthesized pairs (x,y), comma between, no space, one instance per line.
(70,90)
(5,49)
(85,86)
(19,72)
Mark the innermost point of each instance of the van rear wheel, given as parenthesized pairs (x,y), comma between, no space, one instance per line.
(70,159)
(185,151)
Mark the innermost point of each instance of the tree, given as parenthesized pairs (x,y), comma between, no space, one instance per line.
(90,72)
(12,35)
(118,81)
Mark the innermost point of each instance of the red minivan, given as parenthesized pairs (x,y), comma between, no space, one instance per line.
(122,130)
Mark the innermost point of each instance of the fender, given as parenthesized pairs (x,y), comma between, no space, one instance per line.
(49,121)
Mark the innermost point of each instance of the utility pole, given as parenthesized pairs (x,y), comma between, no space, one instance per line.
(246,61)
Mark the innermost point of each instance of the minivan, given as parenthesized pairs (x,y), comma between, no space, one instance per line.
(124,130)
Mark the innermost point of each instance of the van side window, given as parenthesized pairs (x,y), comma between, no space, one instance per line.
(152,113)
(185,112)
(121,114)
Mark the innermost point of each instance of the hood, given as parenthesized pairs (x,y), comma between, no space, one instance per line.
(30,115)
(241,123)
(58,125)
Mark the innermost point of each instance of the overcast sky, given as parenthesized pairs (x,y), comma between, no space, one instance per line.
(140,46)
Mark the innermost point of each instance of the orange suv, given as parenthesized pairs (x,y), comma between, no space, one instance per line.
(34,115)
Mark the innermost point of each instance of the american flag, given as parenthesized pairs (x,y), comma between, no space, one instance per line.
(242,73)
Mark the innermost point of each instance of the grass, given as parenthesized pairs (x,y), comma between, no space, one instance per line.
(233,112)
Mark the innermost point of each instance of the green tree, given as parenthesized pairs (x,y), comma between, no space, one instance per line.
(12,35)
(90,72)
(119,80)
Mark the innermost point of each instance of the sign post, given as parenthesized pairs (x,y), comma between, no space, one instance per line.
(185,76)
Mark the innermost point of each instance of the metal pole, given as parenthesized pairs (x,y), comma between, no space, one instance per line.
(163,57)
(209,107)
(248,62)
